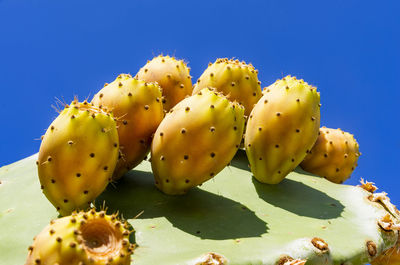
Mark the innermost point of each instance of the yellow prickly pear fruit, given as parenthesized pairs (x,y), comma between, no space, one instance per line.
(390,256)
(282,128)
(195,141)
(138,108)
(77,156)
(334,155)
(82,238)
(172,75)
(236,80)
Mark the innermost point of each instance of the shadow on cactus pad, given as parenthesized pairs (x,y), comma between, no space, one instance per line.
(299,199)
(294,196)
(200,213)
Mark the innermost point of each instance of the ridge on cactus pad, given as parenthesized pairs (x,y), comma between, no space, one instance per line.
(231,218)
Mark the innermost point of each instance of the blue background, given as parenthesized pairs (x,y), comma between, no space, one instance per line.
(348,49)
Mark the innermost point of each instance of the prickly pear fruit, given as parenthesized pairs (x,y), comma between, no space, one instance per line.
(172,75)
(77,156)
(195,141)
(236,80)
(390,256)
(82,238)
(334,155)
(282,127)
(139,110)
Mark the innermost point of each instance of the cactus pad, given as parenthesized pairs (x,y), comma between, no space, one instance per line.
(231,219)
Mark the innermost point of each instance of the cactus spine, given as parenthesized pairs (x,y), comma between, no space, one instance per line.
(82,238)
(138,106)
(282,128)
(172,75)
(195,141)
(77,156)
(334,155)
(236,80)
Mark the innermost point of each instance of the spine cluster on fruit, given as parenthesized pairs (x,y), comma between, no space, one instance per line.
(83,238)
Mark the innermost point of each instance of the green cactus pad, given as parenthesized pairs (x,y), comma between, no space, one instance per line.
(232,215)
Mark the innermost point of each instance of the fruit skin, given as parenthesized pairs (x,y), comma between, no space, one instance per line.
(282,128)
(173,77)
(138,107)
(236,80)
(334,155)
(82,238)
(390,256)
(77,156)
(195,141)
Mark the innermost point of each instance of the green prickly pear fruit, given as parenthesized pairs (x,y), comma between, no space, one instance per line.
(82,238)
(77,156)
(282,128)
(138,106)
(333,156)
(236,80)
(195,141)
(172,75)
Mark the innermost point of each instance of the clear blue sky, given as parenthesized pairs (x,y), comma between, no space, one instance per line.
(348,49)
